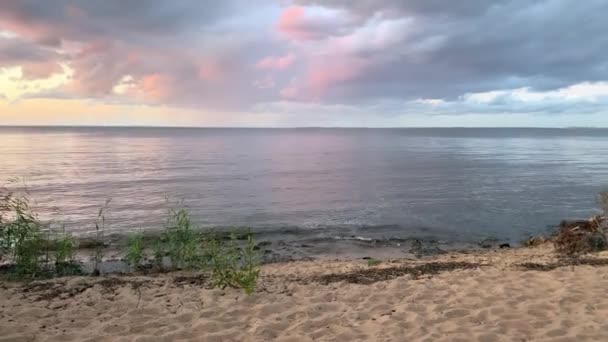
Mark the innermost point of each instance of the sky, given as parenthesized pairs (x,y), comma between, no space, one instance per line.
(292,63)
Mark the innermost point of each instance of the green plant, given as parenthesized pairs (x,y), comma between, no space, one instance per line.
(100,226)
(28,256)
(249,272)
(233,266)
(65,248)
(21,233)
(135,250)
(373,262)
(65,252)
(159,253)
(181,241)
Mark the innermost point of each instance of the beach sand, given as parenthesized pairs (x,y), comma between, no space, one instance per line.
(317,301)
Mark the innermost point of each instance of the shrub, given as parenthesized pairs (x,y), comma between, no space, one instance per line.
(233,266)
(28,258)
(181,241)
(135,250)
(21,237)
(249,272)
(65,247)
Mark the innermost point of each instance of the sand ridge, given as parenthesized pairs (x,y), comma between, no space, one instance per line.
(496,301)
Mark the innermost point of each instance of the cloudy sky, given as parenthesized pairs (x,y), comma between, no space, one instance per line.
(375,63)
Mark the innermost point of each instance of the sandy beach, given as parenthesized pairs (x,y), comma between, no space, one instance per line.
(475,296)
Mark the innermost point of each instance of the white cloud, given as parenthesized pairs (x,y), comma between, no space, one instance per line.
(584,99)
(124,85)
(14,86)
(581,92)
(7,34)
(431,102)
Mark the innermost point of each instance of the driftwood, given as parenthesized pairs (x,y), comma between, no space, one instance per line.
(582,236)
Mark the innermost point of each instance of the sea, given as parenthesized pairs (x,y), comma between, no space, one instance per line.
(313,185)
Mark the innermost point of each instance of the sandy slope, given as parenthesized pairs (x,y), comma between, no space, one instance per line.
(496,302)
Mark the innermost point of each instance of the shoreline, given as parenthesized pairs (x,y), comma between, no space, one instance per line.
(273,251)
(527,293)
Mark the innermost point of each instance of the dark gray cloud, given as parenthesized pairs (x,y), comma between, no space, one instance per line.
(36,62)
(481,45)
(71,19)
(433,8)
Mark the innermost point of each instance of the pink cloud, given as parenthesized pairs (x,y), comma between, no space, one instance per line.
(312,23)
(98,66)
(31,30)
(277,63)
(342,59)
(323,75)
(95,48)
(133,58)
(40,70)
(291,23)
(160,69)
(17,19)
(156,87)
(211,70)
(291,91)
(264,83)
(75,12)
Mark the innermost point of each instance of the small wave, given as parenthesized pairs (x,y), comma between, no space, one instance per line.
(358,238)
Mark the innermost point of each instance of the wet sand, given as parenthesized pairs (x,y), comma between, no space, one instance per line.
(477,296)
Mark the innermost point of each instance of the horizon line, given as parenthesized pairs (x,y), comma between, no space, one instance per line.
(301,127)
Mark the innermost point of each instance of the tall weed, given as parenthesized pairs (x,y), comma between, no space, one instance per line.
(65,247)
(100,227)
(181,240)
(21,233)
(135,250)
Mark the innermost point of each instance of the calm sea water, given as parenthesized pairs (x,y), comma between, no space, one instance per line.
(450,184)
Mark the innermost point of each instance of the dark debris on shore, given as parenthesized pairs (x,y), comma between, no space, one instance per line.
(533,266)
(374,275)
(48,290)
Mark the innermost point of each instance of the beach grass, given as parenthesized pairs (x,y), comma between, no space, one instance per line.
(100,227)
(29,249)
(21,234)
(181,241)
(135,250)
(65,248)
